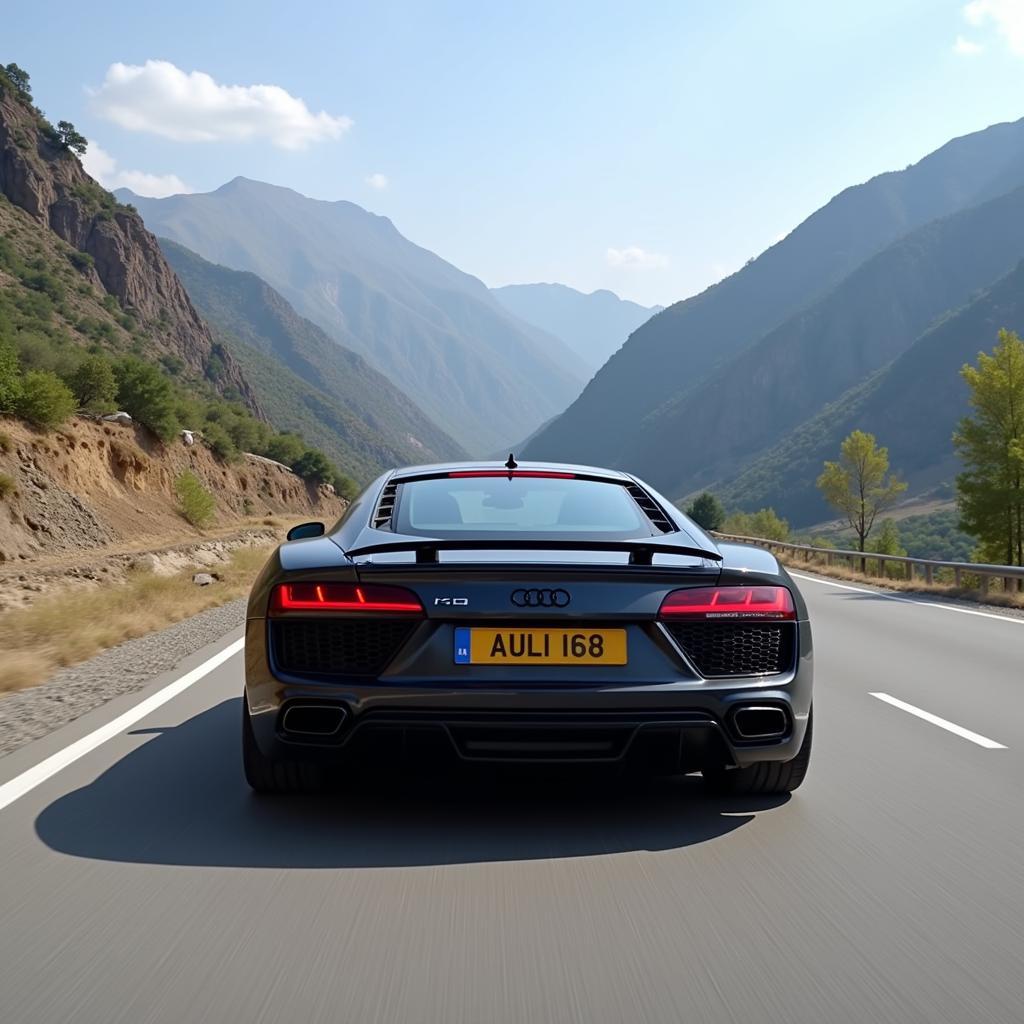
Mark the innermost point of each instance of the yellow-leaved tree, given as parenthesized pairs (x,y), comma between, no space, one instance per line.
(859,486)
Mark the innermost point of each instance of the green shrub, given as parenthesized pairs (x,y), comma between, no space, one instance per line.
(6,444)
(345,486)
(706,511)
(764,524)
(10,379)
(285,448)
(145,393)
(220,442)
(94,384)
(46,400)
(6,485)
(314,465)
(197,504)
(81,261)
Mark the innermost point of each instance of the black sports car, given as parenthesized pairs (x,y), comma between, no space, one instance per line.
(524,613)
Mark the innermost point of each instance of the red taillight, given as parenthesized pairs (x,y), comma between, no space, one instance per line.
(729,603)
(342,597)
(544,473)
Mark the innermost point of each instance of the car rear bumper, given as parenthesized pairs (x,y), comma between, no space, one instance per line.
(679,725)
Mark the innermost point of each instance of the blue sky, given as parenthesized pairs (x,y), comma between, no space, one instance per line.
(649,148)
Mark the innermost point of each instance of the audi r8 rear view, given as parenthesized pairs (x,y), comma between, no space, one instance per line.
(524,613)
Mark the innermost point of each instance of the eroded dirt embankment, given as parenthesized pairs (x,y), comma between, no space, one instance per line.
(93,500)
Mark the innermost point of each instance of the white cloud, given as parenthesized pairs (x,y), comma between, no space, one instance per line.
(635,258)
(967,47)
(378,181)
(1006,15)
(103,167)
(160,98)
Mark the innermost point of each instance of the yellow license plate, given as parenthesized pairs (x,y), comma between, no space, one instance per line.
(483,646)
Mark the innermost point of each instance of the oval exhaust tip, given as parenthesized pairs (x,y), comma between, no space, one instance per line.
(313,719)
(760,723)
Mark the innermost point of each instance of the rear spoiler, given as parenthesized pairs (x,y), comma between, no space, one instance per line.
(641,552)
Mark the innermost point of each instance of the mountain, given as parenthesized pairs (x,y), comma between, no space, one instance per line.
(305,381)
(118,258)
(594,326)
(673,353)
(875,314)
(477,371)
(912,406)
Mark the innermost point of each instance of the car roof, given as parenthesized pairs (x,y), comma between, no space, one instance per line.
(441,468)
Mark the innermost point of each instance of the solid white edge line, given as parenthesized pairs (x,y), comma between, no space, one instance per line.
(908,600)
(942,723)
(47,768)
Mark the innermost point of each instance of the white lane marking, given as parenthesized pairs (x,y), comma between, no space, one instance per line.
(942,723)
(909,600)
(46,769)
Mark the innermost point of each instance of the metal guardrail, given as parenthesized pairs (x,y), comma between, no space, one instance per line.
(925,568)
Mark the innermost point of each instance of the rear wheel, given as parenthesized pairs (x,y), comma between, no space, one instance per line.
(763,777)
(271,774)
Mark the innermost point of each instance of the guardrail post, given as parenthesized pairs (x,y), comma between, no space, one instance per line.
(1009,585)
(929,575)
(984,584)
(958,576)
(910,571)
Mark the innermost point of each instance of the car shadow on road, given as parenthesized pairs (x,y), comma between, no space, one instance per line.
(180,799)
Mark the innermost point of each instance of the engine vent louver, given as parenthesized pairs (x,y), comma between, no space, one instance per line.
(385,507)
(651,508)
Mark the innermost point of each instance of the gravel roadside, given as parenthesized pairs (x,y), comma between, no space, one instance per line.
(25,715)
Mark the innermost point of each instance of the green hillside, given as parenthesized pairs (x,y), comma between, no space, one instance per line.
(870,318)
(912,406)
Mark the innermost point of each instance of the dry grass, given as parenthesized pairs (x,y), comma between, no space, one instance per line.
(68,628)
(994,596)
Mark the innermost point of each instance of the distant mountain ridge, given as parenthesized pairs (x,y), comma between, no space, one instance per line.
(481,374)
(672,355)
(307,382)
(593,325)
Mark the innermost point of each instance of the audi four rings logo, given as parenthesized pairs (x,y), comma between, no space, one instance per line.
(541,598)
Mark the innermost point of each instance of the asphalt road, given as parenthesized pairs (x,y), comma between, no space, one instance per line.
(144,883)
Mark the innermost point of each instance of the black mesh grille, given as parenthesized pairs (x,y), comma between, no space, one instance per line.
(736,648)
(345,647)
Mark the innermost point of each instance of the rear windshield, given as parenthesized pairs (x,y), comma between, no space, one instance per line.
(538,506)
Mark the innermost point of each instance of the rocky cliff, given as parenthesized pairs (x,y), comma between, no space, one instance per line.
(46,180)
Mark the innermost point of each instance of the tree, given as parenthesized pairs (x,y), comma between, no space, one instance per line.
(706,511)
(20,79)
(46,400)
(859,485)
(991,445)
(10,379)
(71,138)
(146,393)
(314,465)
(94,384)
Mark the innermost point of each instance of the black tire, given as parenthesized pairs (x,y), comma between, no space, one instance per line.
(272,775)
(763,778)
